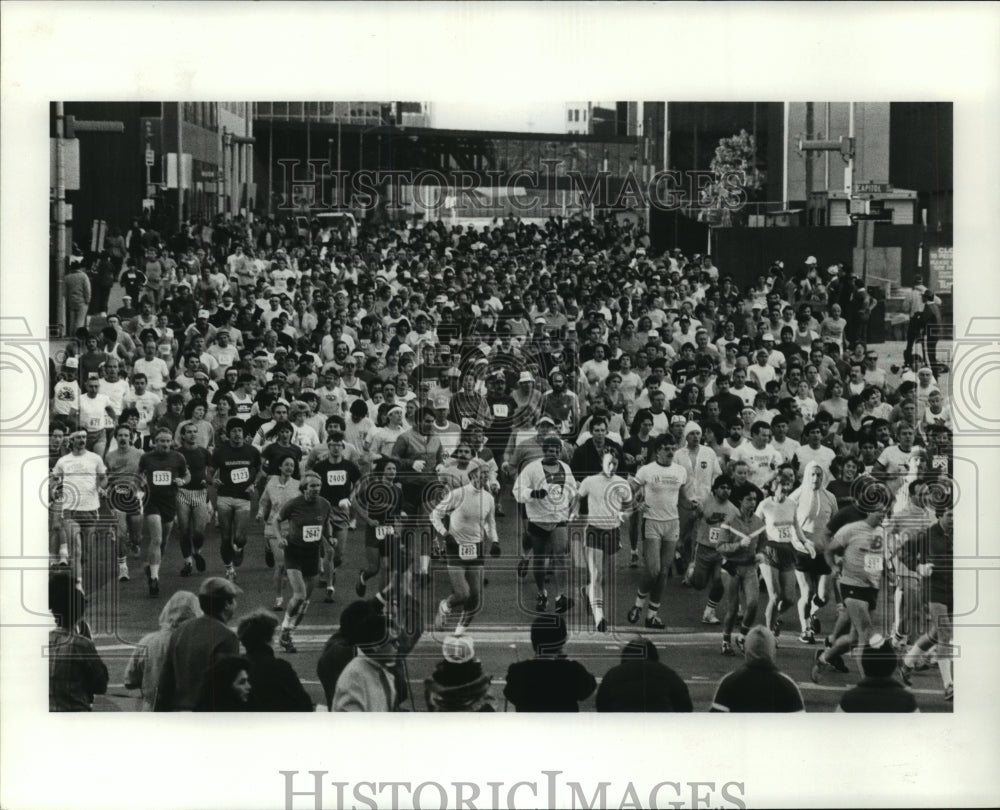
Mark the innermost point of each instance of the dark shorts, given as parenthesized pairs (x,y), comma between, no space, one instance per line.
(462,555)
(606,540)
(381,538)
(779,556)
(816,566)
(303,558)
(868,595)
(125,498)
(164,506)
(545,542)
(706,561)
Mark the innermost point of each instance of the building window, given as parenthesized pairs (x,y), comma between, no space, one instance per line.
(569,115)
(576,115)
(584,115)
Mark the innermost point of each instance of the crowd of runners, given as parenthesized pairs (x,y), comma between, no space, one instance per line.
(404,388)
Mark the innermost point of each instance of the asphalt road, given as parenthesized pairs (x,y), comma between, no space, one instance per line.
(121,613)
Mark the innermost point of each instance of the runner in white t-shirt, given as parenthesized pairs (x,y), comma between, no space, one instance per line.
(80,477)
(659,486)
(608,496)
(762,459)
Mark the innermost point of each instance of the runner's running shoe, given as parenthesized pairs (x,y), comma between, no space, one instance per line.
(818,667)
(634,560)
(807,637)
(186,570)
(123,572)
(563,603)
(522,567)
(154,588)
(655,623)
(727,649)
(949,692)
(230,573)
(361,587)
(286,642)
(443,611)
(279,603)
(541,603)
(633,614)
(906,674)
(602,626)
(328,599)
(709,617)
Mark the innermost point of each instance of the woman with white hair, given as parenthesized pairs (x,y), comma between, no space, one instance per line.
(144,667)
(815,505)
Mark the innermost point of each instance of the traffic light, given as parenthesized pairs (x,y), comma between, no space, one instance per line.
(72,126)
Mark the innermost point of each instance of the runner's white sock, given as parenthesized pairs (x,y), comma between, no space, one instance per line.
(154,571)
(640,599)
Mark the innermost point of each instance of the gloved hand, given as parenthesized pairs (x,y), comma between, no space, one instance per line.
(539,493)
(495,550)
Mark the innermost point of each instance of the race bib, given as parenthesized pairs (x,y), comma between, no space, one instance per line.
(311,534)
(336,478)
(784,534)
(240,475)
(715,535)
(555,491)
(565,426)
(364,343)
(95,422)
(500,410)
(940,463)
(162,478)
(382,532)
(243,407)
(467,551)
(873,563)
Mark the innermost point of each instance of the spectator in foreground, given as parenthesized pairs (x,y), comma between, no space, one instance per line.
(76,672)
(226,687)
(458,683)
(146,664)
(276,687)
(367,682)
(549,682)
(878,691)
(198,644)
(640,683)
(758,686)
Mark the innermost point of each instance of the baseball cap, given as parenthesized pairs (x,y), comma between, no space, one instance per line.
(440,403)
(679,419)
(811,260)
(653,334)
(71,362)
(545,420)
(405,349)
(203,313)
(526,376)
(217,586)
(768,338)
(540,319)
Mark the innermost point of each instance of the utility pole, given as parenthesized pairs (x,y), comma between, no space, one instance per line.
(66,128)
(60,216)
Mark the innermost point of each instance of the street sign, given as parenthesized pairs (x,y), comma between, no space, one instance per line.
(150,157)
(872,188)
(71,162)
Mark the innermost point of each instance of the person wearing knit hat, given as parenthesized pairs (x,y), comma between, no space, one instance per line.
(758,686)
(549,682)
(878,691)
(458,683)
